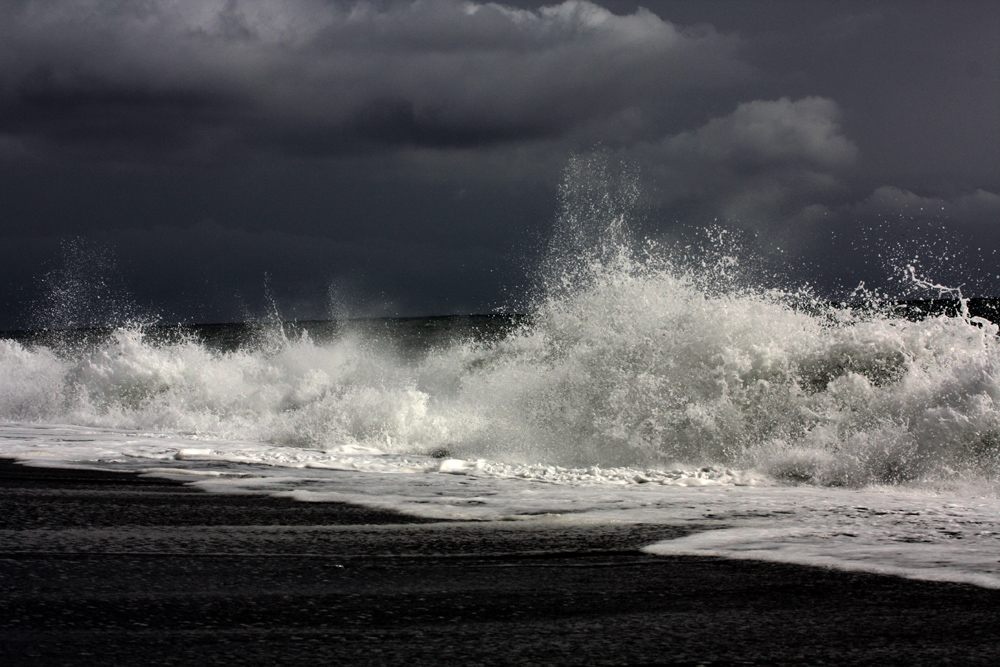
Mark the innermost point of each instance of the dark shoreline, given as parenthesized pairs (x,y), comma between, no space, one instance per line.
(106,568)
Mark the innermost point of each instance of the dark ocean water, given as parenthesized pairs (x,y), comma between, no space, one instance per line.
(413,334)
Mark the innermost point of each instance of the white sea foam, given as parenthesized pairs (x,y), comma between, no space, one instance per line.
(639,367)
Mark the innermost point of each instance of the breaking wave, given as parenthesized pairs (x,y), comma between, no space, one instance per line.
(630,356)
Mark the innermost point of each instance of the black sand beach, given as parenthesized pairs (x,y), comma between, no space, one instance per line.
(99,568)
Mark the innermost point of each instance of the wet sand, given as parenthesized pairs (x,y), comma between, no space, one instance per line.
(101,568)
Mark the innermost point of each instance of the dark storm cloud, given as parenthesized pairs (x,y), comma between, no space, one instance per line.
(211,272)
(353,270)
(409,152)
(316,77)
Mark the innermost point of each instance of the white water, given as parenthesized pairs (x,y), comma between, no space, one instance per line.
(641,389)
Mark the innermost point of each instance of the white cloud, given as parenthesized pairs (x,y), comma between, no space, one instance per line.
(764,157)
(889,199)
(980,205)
(760,133)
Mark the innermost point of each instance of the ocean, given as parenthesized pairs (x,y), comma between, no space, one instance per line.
(637,387)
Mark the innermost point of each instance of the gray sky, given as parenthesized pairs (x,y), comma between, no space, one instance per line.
(375,158)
